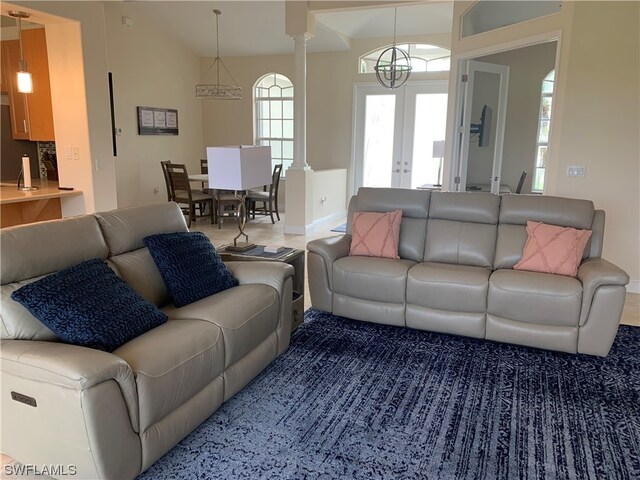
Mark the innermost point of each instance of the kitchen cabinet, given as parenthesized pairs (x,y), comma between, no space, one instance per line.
(31,113)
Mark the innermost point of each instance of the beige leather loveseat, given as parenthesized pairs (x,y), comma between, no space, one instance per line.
(111,415)
(455,273)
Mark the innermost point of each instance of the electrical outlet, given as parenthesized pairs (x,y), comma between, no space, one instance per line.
(156,190)
(76,153)
(576,171)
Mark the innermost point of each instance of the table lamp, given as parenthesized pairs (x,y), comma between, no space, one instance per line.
(438,152)
(239,168)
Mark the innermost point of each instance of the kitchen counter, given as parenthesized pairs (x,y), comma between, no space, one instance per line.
(18,207)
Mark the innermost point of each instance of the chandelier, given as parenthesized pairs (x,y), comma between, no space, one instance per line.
(393,66)
(218,91)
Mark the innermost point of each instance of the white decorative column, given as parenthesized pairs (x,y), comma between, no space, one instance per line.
(299,176)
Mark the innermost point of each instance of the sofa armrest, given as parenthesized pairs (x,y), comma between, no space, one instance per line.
(331,248)
(278,275)
(69,366)
(273,274)
(595,273)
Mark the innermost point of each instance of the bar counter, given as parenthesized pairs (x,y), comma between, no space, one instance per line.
(18,207)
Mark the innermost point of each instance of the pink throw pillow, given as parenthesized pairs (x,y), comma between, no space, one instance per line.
(376,234)
(552,249)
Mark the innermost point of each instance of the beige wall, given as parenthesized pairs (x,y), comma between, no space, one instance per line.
(601,125)
(527,67)
(596,121)
(150,69)
(330,80)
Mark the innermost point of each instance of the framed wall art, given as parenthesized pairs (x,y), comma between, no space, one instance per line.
(157,121)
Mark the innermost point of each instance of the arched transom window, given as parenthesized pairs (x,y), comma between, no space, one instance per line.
(423,58)
(273,96)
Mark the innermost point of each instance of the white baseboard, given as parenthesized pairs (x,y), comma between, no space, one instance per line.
(329,218)
(634,286)
(294,230)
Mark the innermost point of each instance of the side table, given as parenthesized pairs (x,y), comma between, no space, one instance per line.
(293,257)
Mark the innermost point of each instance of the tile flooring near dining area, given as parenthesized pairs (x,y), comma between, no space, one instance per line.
(262,232)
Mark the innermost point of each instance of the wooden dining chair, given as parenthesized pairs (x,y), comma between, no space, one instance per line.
(167,183)
(182,194)
(268,197)
(523,176)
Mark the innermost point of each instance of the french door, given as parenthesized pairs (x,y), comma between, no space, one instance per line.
(399,135)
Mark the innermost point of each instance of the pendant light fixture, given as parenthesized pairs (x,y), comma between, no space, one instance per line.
(217,90)
(393,66)
(24,81)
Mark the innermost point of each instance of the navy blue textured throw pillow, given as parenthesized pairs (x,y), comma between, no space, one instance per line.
(190,266)
(89,305)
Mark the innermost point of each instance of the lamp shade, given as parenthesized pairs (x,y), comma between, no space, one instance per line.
(25,84)
(239,167)
(438,148)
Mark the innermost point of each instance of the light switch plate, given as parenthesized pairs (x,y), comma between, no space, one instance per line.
(576,171)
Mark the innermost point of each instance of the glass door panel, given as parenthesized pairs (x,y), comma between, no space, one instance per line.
(428,139)
(378,140)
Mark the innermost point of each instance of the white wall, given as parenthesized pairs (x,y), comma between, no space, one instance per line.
(150,69)
(329,198)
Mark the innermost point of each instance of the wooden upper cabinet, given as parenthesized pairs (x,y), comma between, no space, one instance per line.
(31,113)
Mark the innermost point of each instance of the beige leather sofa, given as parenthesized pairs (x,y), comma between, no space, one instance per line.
(111,415)
(456,275)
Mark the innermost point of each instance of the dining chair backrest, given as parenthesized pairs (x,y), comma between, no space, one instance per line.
(275,180)
(204,166)
(521,181)
(179,180)
(167,183)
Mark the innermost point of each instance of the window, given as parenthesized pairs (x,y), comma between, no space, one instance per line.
(542,140)
(273,95)
(423,58)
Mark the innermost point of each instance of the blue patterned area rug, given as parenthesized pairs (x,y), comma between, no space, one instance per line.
(359,400)
(342,228)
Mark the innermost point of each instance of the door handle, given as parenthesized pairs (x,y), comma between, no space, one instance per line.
(406,171)
(397,170)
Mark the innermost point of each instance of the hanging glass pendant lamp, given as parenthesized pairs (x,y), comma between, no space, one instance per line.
(23,77)
(394,65)
(218,91)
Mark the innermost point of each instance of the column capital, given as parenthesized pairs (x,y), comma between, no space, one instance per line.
(301,37)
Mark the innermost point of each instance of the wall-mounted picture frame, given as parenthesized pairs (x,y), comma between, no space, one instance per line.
(157,121)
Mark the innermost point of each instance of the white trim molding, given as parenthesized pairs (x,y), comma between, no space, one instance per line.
(634,286)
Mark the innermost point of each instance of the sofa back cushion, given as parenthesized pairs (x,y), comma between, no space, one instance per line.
(124,230)
(31,251)
(415,209)
(517,210)
(462,228)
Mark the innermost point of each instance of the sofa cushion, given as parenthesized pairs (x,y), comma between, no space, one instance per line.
(171,364)
(247,315)
(461,243)
(415,210)
(454,288)
(125,228)
(538,298)
(379,279)
(89,305)
(553,249)
(376,234)
(138,269)
(52,246)
(517,210)
(190,266)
